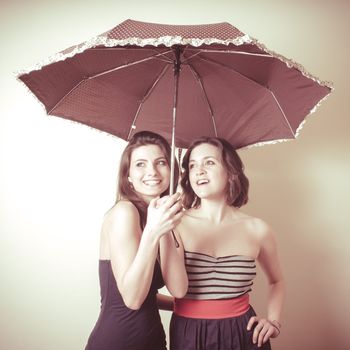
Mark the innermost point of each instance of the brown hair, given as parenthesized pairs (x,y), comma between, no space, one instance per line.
(124,190)
(238,183)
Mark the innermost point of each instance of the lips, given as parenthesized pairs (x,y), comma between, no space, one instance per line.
(153,182)
(202,182)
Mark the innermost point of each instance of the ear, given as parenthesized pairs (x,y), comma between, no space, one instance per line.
(129,179)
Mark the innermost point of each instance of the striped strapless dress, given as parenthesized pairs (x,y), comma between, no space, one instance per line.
(215,311)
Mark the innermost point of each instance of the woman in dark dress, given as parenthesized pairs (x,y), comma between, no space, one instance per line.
(222,247)
(129,268)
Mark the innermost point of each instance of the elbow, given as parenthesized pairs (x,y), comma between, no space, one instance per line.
(179,294)
(180,291)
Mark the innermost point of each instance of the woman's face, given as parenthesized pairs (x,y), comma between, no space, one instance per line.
(207,174)
(149,172)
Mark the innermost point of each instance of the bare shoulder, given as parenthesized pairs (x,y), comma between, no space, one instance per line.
(259,228)
(122,212)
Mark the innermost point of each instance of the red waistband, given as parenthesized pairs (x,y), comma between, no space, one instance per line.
(212,309)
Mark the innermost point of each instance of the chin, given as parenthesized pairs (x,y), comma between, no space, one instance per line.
(201,194)
(154,193)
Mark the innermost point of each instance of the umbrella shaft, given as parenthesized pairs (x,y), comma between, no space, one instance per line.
(177,64)
(172,167)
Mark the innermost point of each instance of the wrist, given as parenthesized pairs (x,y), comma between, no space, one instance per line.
(277,326)
(149,236)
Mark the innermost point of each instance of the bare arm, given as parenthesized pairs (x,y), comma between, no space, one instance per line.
(268,259)
(132,254)
(173,265)
(165,302)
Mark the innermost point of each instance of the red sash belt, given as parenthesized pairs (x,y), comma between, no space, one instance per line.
(212,309)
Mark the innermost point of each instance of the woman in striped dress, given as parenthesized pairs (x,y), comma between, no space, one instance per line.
(222,246)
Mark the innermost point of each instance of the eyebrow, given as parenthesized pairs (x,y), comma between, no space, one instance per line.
(145,160)
(207,157)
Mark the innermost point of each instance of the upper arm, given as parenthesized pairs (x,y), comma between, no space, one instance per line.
(123,231)
(268,254)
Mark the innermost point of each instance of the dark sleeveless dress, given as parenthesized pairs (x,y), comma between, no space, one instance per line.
(120,328)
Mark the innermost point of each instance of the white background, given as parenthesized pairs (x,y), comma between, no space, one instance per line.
(57,178)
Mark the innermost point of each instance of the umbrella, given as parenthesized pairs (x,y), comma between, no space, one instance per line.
(182,81)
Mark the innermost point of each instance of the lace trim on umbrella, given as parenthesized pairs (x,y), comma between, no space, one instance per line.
(313,110)
(101,40)
(292,64)
(168,41)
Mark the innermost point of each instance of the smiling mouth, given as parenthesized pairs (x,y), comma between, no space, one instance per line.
(151,182)
(202,182)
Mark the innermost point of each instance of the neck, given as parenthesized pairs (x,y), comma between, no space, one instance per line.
(215,210)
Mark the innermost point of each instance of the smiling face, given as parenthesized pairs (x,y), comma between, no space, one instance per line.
(207,174)
(149,172)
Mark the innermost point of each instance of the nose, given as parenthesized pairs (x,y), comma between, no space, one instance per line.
(151,169)
(200,170)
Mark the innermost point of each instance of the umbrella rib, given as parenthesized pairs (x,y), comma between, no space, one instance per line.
(127,65)
(133,126)
(120,48)
(253,81)
(196,75)
(234,52)
(199,51)
(133,48)
(103,73)
(282,111)
(165,60)
(189,58)
(232,70)
(66,95)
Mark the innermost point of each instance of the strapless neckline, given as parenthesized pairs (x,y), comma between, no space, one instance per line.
(246,257)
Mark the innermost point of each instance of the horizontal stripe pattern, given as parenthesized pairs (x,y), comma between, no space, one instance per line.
(224,277)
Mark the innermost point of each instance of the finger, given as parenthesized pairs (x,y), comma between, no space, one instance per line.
(262,334)
(177,207)
(153,203)
(251,321)
(177,218)
(169,202)
(174,209)
(256,332)
(161,200)
(268,335)
(174,221)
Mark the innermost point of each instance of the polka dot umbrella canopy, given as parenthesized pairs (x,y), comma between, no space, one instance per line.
(181,81)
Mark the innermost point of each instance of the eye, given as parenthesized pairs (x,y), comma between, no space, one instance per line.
(140,164)
(191,166)
(162,162)
(209,162)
